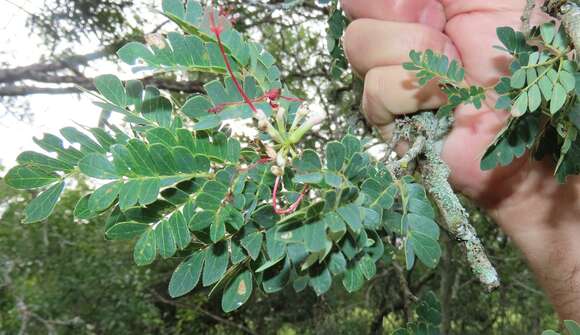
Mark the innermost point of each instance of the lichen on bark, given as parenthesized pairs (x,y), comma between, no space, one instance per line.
(425,132)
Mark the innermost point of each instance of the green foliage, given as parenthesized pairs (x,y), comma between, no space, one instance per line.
(62,265)
(541,95)
(571,326)
(450,75)
(428,311)
(181,187)
(337,23)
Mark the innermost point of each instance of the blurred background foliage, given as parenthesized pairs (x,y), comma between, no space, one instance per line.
(62,277)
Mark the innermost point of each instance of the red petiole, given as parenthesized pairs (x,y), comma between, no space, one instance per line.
(271,95)
(217,30)
(292,207)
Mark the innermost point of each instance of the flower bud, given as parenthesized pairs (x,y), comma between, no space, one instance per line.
(303,110)
(281,159)
(277,171)
(316,118)
(263,125)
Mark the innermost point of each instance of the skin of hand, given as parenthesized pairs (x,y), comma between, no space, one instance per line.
(541,216)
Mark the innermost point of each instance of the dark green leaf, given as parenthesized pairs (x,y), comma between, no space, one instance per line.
(335,155)
(98,166)
(216,263)
(29,177)
(112,89)
(237,291)
(165,240)
(104,196)
(145,249)
(320,281)
(186,275)
(126,230)
(42,206)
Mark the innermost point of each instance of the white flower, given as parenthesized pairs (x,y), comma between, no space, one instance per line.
(316,118)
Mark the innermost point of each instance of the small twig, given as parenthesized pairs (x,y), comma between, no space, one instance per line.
(407,295)
(436,181)
(526,16)
(424,131)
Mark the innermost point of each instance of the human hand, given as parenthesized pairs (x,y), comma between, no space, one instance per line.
(379,41)
(538,214)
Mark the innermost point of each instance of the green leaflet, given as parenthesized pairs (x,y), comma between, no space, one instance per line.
(112,89)
(40,207)
(126,230)
(104,196)
(426,248)
(82,210)
(186,275)
(336,154)
(572,327)
(216,263)
(237,291)
(29,177)
(519,135)
(252,242)
(353,277)
(320,281)
(145,250)
(351,214)
(98,166)
(165,239)
(44,162)
(276,278)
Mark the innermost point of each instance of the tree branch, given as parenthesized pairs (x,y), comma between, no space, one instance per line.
(88,83)
(435,175)
(34,70)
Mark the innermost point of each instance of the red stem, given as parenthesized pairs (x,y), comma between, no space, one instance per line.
(217,32)
(292,207)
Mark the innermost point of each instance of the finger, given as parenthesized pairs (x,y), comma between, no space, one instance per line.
(370,43)
(473,131)
(428,12)
(474,34)
(391,91)
(457,7)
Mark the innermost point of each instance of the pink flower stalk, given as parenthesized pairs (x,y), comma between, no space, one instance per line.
(292,207)
(218,29)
